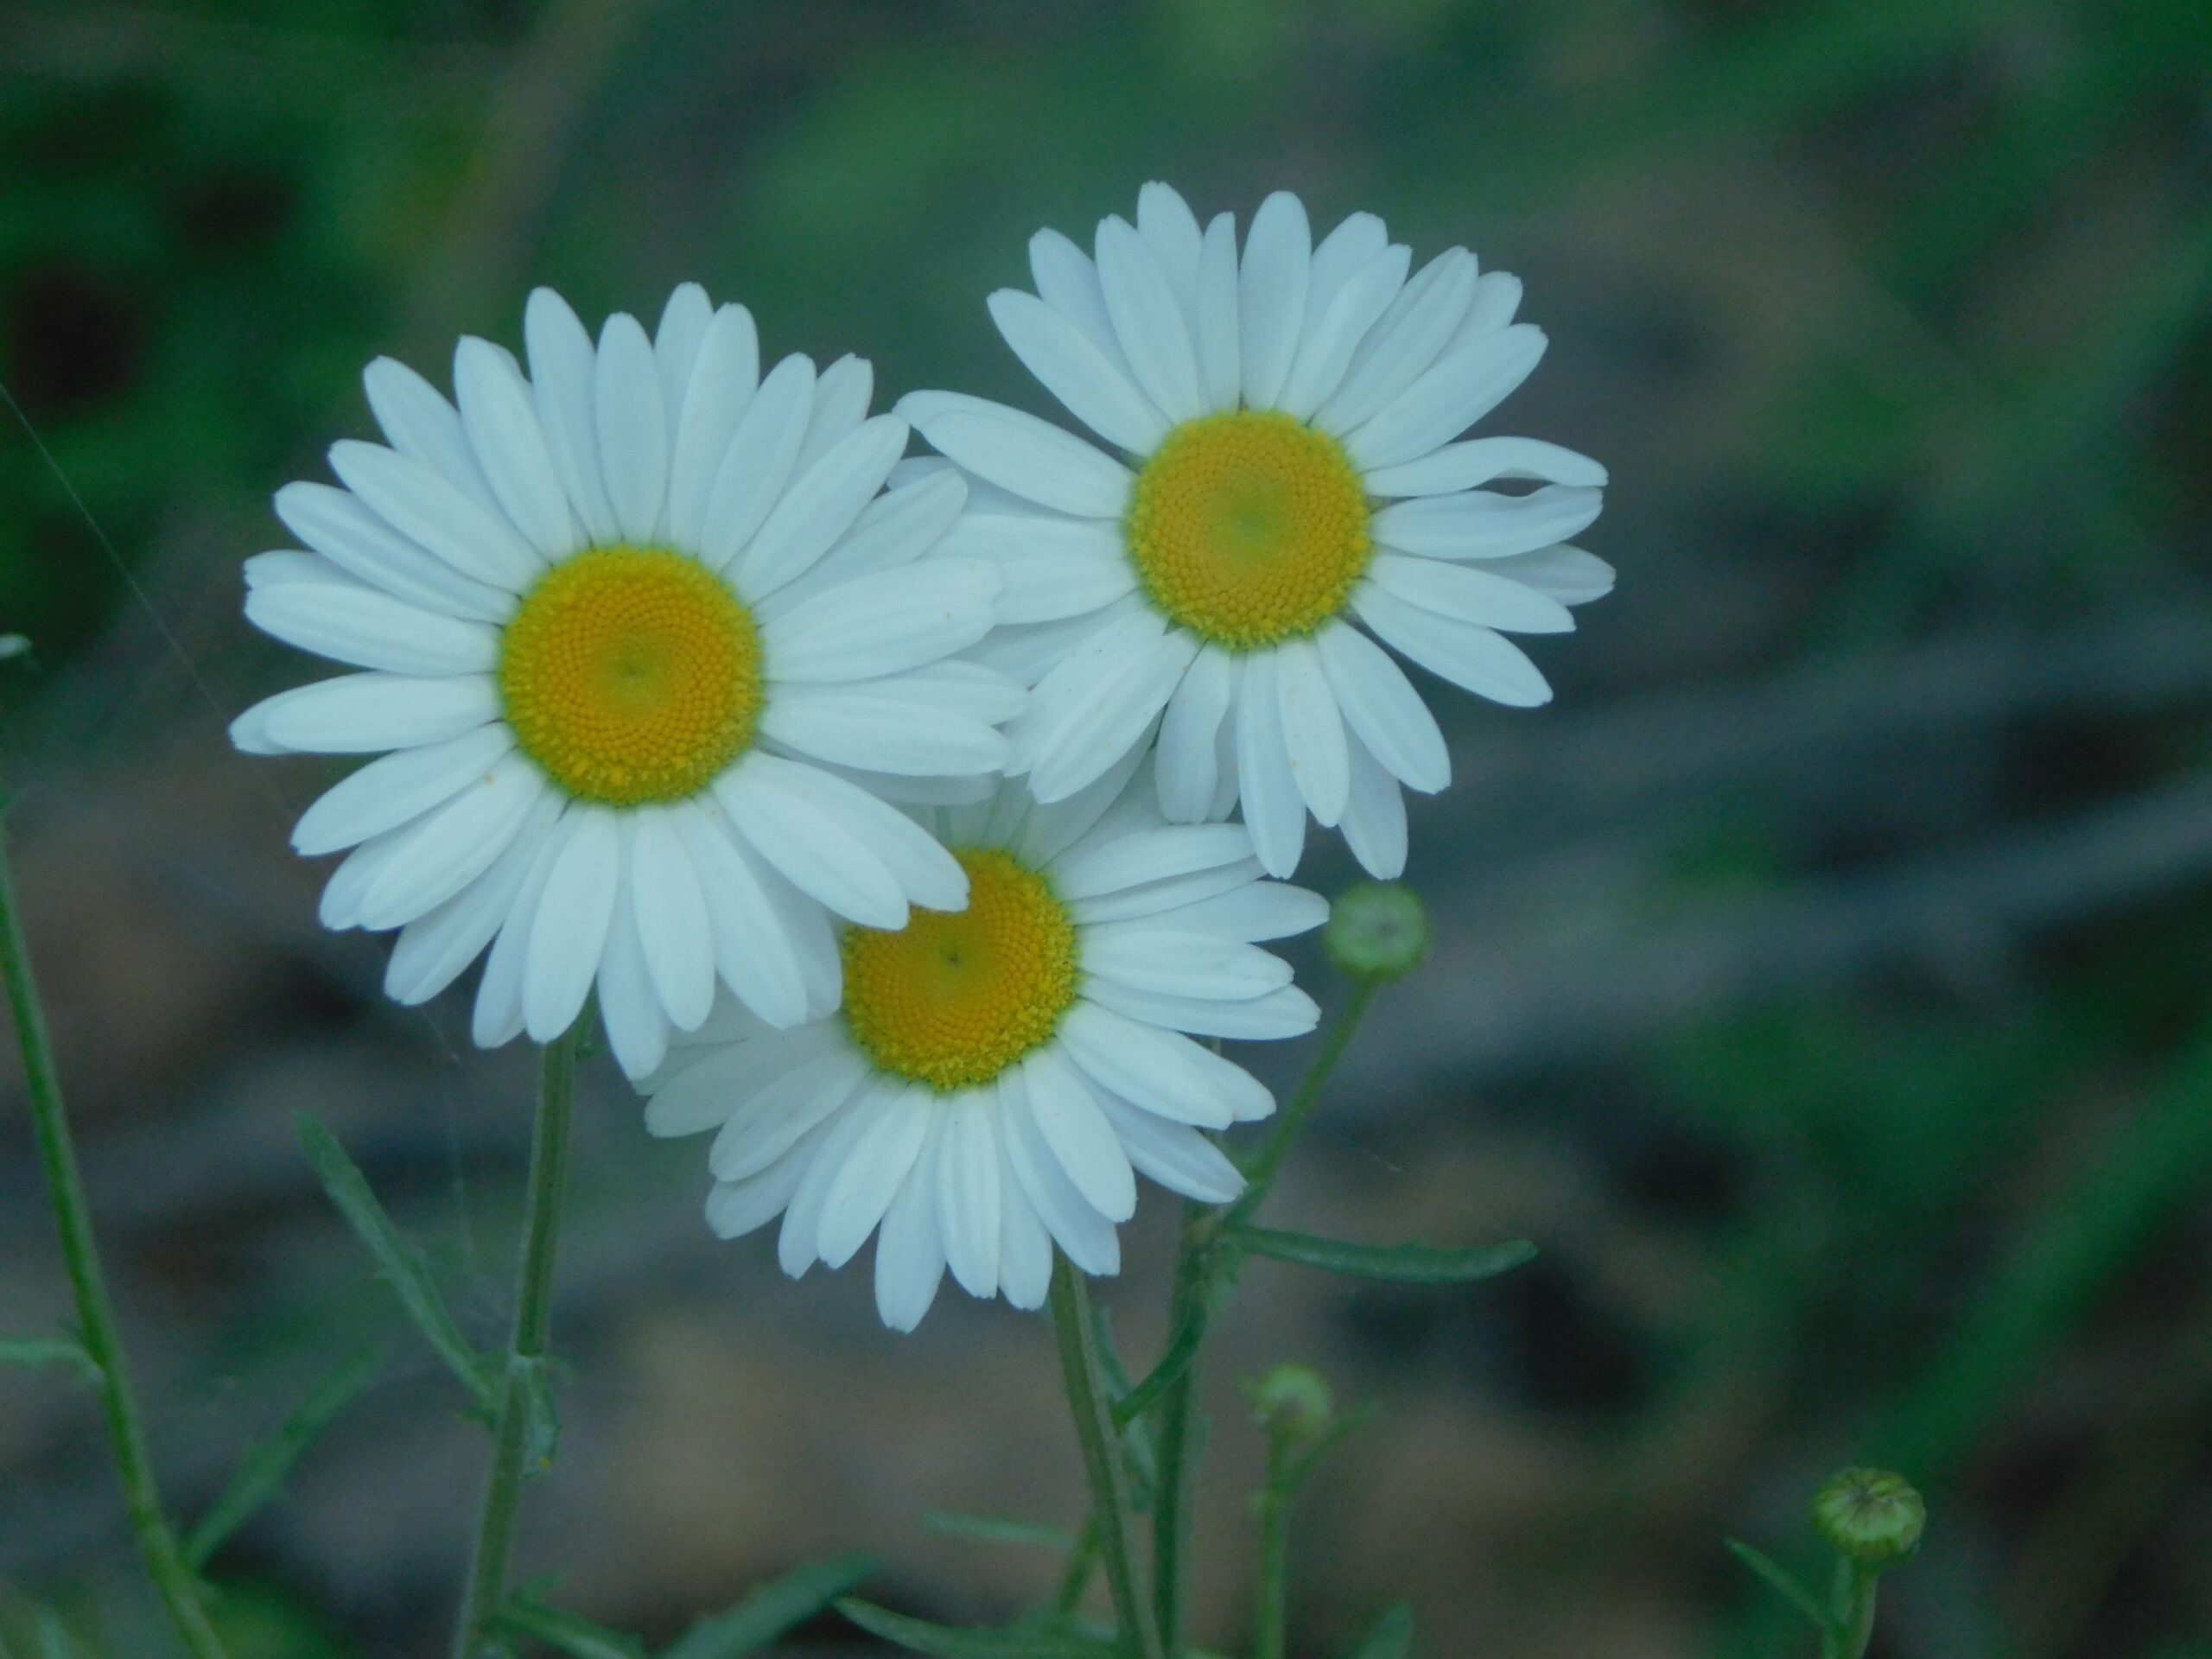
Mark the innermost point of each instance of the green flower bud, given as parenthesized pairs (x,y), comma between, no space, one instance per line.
(1871,1515)
(1376,930)
(1293,1402)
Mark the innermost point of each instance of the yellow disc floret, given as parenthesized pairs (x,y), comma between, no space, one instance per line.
(1248,528)
(954,998)
(631,674)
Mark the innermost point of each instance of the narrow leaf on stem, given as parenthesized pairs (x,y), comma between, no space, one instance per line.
(773,1609)
(1783,1582)
(30,1351)
(564,1632)
(1404,1264)
(260,1476)
(995,1530)
(400,1262)
(954,1642)
(1392,1636)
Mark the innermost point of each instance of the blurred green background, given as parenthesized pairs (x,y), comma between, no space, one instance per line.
(1823,978)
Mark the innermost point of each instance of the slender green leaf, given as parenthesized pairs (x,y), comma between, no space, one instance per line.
(1784,1583)
(564,1632)
(771,1609)
(954,1642)
(400,1262)
(54,1641)
(1182,1348)
(1392,1636)
(1140,1445)
(995,1529)
(1404,1264)
(260,1477)
(47,1351)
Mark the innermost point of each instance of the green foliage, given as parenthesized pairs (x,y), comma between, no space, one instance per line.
(402,1266)
(28,1352)
(565,1632)
(1404,1264)
(773,1609)
(260,1477)
(1391,1635)
(949,1641)
(995,1529)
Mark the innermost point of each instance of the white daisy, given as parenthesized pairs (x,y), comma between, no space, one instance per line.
(646,646)
(997,1078)
(1288,416)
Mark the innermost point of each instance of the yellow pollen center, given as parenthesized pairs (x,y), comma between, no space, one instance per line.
(954,998)
(1248,528)
(631,674)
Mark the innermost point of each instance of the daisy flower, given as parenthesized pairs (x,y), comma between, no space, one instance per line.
(997,1078)
(1285,484)
(646,647)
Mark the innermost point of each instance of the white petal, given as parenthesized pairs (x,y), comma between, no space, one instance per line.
(1312,730)
(926,873)
(671,915)
(1463,387)
(342,527)
(753,952)
(873,726)
(1567,574)
(1274,811)
(1170,230)
(419,423)
(910,1251)
(1407,338)
(631,412)
(683,323)
(1020,453)
(1178,1157)
(876,1164)
(1024,1245)
(1470,595)
(841,399)
(432,951)
(1087,1238)
(1186,764)
(502,425)
(1476,659)
(1383,709)
(1171,1075)
(706,1092)
(370,630)
(1259,909)
(1326,352)
(498,1014)
(1375,818)
(797,1246)
(736,1208)
(340,908)
(1497,296)
(629,1008)
(563,370)
(1071,367)
(568,930)
(290,564)
(751,475)
(967,1193)
(1271,294)
(1148,321)
(884,624)
(771,1114)
(423,505)
(451,846)
(723,379)
(1286,1011)
(1097,728)
(1050,830)
(1102,866)
(365,714)
(1078,1134)
(1177,963)
(1217,328)
(1068,282)
(1476,461)
(386,793)
(821,505)
(807,845)
(1478,524)
(893,531)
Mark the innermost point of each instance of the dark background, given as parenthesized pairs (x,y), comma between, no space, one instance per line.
(1823,978)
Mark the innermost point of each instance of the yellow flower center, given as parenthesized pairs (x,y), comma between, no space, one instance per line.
(1248,528)
(954,998)
(631,674)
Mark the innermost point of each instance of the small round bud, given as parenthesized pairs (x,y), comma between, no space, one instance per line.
(1376,930)
(13,645)
(1871,1515)
(1293,1401)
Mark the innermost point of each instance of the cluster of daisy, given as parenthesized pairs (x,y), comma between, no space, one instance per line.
(913,818)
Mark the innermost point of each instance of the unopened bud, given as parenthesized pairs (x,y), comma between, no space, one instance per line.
(1293,1402)
(1871,1515)
(1377,930)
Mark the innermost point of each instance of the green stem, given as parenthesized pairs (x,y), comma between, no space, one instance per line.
(1269,1614)
(173,1581)
(1260,1174)
(1082,1561)
(527,1349)
(1101,1456)
(1170,1507)
(1852,1601)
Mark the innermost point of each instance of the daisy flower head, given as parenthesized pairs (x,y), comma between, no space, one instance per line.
(1284,484)
(997,1078)
(642,645)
